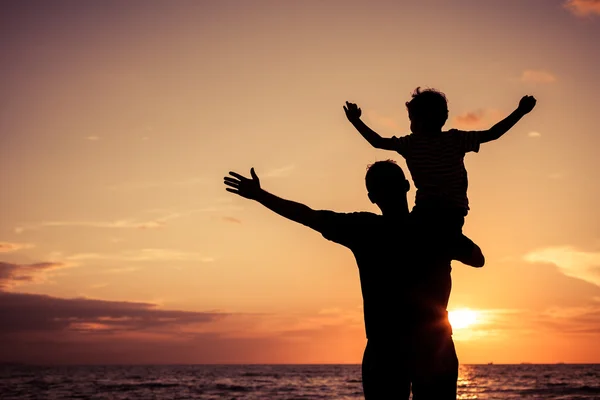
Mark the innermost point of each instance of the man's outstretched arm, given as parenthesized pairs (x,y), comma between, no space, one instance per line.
(250,189)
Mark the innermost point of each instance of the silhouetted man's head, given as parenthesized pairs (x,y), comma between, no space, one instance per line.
(386,183)
(427,110)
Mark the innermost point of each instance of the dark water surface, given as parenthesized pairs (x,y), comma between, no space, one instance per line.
(279,382)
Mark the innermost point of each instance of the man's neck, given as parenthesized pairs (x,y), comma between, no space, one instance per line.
(396,212)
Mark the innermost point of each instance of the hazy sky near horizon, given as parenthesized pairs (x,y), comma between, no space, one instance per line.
(118,120)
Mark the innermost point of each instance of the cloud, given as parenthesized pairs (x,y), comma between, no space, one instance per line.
(534,134)
(382,120)
(473,118)
(45,329)
(557,175)
(278,172)
(537,76)
(570,261)
(569,320)
(186,182)
(583,320)
(22,313)
(98,285)
(13,274)
(583,8)
(115,224)
(142,255)
(6,247)
(130,223)
(121,270)
(477,119)
(232,219)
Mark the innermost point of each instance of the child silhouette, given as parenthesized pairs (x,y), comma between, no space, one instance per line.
(435,158)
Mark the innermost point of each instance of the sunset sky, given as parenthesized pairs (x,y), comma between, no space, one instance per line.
(118,121)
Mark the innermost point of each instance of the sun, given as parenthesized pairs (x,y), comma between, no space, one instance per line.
(462,318)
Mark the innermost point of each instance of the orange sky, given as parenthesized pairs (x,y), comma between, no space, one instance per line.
(118,120)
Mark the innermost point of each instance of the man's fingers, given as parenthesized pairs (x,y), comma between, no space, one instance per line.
(233,184)
(233,190)
(345,109)
(253,174)
(240,177)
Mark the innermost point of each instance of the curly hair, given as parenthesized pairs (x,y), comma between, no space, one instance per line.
(428,106)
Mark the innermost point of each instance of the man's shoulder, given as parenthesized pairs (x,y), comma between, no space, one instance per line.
(346,228)
(350,217)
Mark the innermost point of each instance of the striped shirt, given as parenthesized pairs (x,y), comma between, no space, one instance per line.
(436,163)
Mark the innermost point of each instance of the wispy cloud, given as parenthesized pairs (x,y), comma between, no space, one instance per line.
(121,270)
(469,119)
(482,118)
(382,120)
(128,223)
(7,247)
(494,323)
(185,182)
(570,261)
(232,219)
(570,320)
(537,76)
(583,8)
(117,224)
(142,255)
(279,172)
(557,175)
(534,134)
(13,274)
(98,285)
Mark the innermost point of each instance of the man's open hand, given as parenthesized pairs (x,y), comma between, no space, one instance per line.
(352,111)
(245,187)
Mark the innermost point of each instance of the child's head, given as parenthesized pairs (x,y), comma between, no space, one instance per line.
(427,110)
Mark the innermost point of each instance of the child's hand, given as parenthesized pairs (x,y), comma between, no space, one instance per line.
(526,104)
(352,111)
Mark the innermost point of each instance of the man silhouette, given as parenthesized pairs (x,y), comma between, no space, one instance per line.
(405,282)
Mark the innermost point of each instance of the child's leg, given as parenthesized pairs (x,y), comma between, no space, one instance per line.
(462,248)
(467,252)
(441,229)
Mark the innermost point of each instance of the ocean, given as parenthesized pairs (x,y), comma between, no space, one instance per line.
(280,382)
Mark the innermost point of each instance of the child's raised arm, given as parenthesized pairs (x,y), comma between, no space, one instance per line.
(525,106)
(353,114)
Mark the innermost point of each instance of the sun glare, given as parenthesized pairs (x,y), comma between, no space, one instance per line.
(462,318)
